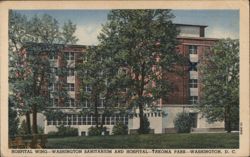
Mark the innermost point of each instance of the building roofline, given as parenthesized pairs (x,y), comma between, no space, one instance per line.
(67,45)
(180,24)
(197,38)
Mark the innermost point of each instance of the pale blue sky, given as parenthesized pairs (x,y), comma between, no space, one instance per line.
(221,23)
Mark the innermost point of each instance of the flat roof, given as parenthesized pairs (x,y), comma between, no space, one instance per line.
(180,24)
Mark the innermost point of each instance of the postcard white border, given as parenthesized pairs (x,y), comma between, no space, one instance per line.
(241,5)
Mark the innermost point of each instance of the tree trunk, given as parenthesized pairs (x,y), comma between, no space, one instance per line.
(103,120)
(34,120)
(141,118)
(227,119)
(96,113)
(27,115)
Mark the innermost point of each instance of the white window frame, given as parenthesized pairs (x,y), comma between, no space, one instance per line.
(193,83)
(193,100)
(54,56)
(88,88)
(70,72)
(192,49)
(71,87)
(70,56)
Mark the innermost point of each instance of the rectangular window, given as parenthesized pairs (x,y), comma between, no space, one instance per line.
(69,119)
(70,56)
(54,71)
(70,72)
(74,119)
(193,83)
(55,102)
(79,120)
(89,120)
(192,49)
(101,102)
(70,102)
(193,99)
(88,88)
(193,117)
(84,120)
(107,120)
(52,87)
(71,87)
(53,55)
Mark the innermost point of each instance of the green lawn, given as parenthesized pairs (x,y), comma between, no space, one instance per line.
(167,141)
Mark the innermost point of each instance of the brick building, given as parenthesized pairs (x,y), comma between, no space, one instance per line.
(187,89)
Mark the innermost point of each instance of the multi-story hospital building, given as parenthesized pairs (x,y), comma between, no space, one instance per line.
(186,94)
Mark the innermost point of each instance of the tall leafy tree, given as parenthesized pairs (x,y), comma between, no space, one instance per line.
(220,83)
(98,84)
(31,43)
(142,44)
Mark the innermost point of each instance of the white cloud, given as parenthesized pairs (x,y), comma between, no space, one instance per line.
(87,34)
(219,32)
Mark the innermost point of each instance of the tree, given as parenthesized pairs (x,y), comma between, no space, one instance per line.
(142,44)
(31,43)
(220,80)
(13,119)
(98,84)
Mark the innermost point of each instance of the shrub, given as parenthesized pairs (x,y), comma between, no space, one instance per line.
(64,131)
(144,129)
(22,130)
(95,131)
(183,122)
(120,129)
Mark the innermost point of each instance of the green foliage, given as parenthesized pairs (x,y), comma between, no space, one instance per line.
(220,77)
(95,131)
(120,129)
(144,129)
(134,39)
(13,119)
(29,70)
(64,132)
(183,122)
(40,129)
(23,130)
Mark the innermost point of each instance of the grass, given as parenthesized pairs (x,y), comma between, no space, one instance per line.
(149,141)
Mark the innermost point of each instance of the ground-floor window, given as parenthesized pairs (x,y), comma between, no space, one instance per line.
(74,119)
(194,117)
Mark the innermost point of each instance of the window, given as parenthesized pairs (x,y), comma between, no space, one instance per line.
(53,55)
(192,49)
(89,118)
(70,55)
(107,120)
(193,83)
(74,119)
(55,102)
(69,119)
(192,66)
(54,71)
(101,102)
(79,119)
(70,72)
(193,117)
(70,102)
(53,87)
(71,87)
(193,99)
(88,88)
